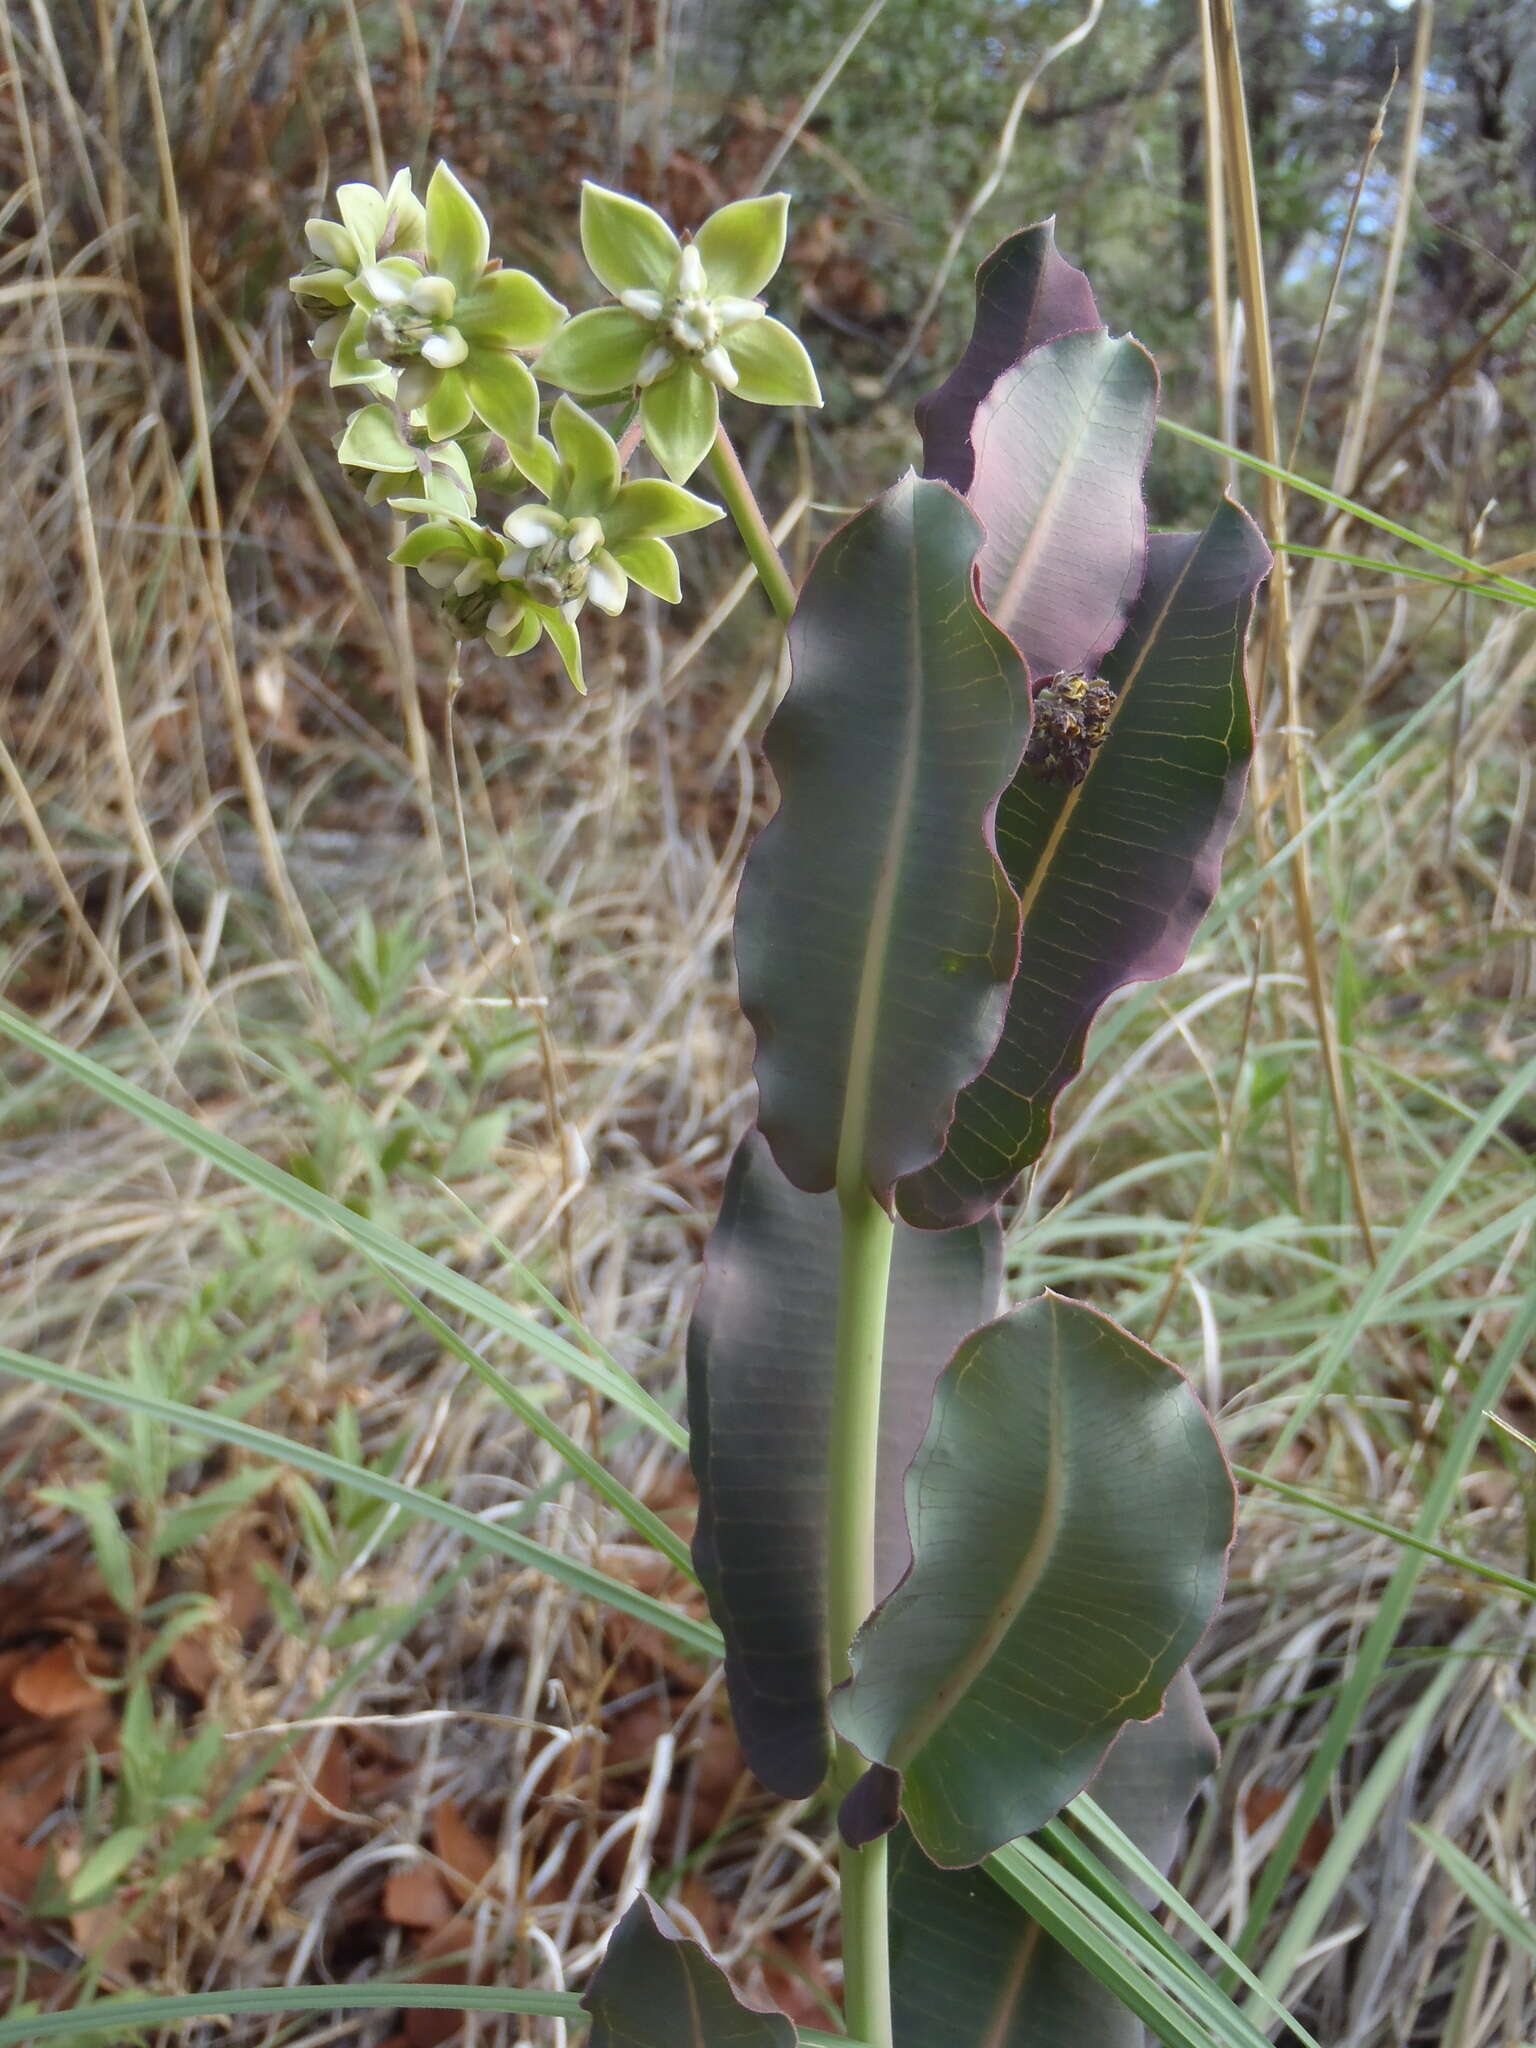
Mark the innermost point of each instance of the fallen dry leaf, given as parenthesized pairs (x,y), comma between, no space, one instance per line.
(415,1896)
(55,1684)
(469,1857)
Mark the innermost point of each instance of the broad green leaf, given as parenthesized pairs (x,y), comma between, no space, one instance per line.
(653,1989)
(760,1379)
(1147,1782)
(1060,446)
(1026,294)
(1115,872)
(742,245)
(1070,1512)
(875,934)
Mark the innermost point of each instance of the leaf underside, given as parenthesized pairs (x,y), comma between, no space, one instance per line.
(1116,873)
(1060,444)
(1070,1512)
(875,932)
(760,1378)
(1026,295)
(653,1989)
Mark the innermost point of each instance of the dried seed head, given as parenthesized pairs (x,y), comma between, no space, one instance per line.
(1072,716)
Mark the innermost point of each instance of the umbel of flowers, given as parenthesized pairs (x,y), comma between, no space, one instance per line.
(446,349)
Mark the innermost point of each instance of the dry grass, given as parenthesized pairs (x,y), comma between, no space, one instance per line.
(531,1063)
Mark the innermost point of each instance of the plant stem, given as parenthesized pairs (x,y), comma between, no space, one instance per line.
(868,1236)
(741,503)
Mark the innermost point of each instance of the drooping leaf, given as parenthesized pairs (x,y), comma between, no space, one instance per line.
(1116,872)
(760,1377)
(653,1989)
(1060,445)
(1148,1781)
(970,1967)
(1070,1512)
(1027,294)
(875,933)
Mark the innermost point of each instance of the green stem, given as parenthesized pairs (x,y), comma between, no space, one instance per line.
(868,1235)
(741,503)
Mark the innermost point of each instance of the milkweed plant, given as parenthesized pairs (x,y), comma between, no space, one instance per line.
(958,1553)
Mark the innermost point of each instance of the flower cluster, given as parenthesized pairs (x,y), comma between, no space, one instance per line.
(445,348)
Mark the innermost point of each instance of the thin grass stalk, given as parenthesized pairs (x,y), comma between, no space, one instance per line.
(1243,188)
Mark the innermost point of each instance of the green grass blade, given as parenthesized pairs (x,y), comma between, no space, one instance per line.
(1114,1841)
(1379,1638)
(128,2014)
(1105,1945)
(698,1637)
(1407,1239)
(1488,579)
(1306,1916)
(414,1266)
(1336,1511)
(643,1520)
(1495,1905)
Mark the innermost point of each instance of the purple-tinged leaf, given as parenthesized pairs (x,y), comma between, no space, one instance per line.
(653,1989)
(1116,872)
(970,1968)
(876,936)
(1027,293)
(760,1377)
(1070,1513)
(1061,445)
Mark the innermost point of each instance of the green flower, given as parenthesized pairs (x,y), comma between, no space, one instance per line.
(585,543)
(398,456)
(688,323)
(447,320)
(373,224)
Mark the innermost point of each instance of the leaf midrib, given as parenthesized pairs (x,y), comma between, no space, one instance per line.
(852,1165)
(1010,1603)
(1047,519)
(1029,896)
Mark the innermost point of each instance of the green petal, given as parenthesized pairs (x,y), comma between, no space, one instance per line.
(590,457)
(596,352)
(508,309)
(422,542)
(772,364)
(396,267)
(405,219)
(363,211)
(743,245)
(648,506)
(458,240)
(680,415)
(501,389)
(529,628)
(628,246)
(373,440)
(651,564)
(538,462)
(347,365)
(449,410)
(567,644)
